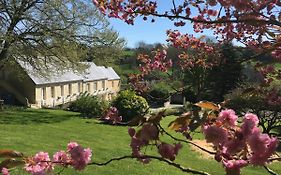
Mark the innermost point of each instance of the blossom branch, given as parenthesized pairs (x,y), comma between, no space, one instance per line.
(270,171)
(218,21)
(176,165)
(186,141)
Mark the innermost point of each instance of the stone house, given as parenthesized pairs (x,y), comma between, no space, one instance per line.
(23,85)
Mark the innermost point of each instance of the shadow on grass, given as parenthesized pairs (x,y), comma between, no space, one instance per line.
(26,116)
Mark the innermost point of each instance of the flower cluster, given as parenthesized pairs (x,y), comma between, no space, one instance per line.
(112,116)
(246,21)
(76,156)
(5,171)
(239,146)
(147,134)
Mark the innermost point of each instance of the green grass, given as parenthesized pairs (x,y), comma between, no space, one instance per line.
(30,131)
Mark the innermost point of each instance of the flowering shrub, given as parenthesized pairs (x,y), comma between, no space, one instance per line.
(112,116)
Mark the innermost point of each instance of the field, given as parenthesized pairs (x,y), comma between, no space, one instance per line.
(31,131)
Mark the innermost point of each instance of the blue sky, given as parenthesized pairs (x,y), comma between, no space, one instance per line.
(150,32)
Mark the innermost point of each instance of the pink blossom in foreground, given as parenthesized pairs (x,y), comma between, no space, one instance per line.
(71,145)
(80,157)
(250,121)
(262,147)
(214,134)
(39,164)
(61,157)
(233,167)
(149,132)
(169,151)
(228,117)
(5,171)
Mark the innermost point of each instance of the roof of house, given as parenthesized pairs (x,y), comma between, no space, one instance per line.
(93,72)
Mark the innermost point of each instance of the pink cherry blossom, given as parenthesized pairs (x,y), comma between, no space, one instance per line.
(5,171)
(262,147)
(80,157)
(39,164)
(71,145)
(228,117)
(61,157)
(215,134)
(169,151)
(250,121)
(149,132)
(233,167)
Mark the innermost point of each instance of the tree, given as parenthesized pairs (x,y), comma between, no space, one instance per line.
(52,31)
(107,49)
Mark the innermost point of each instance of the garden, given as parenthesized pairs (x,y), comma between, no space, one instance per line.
(30,131)
(230,122)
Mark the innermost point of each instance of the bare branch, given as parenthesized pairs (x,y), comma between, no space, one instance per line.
(176,165)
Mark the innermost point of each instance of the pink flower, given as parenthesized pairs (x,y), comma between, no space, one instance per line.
(262,147)
(5,171)
(228,117)
(71,145)
(149,132)
(169,151)
(214,134)
(233,167)
(250,121)
(61,158)
(80,157)
(39,164)
(131,132)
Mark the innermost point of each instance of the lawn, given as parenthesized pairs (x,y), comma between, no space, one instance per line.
(31,131)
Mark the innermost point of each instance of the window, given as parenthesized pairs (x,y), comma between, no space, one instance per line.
(69,89)
(103,84)
(62,90)
(88,87)
(79,87)
(53,92)
(95,86)
(112,83)
(44,93)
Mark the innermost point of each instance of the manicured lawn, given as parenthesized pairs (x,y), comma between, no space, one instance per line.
(30,131)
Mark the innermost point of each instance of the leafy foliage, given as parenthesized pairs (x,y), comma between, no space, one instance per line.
(89,106)
(160,92)
(130,105)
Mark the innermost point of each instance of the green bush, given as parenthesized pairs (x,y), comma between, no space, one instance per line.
(160,92)
(130,105)
(89,106)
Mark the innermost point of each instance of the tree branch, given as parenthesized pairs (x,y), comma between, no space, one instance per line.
(270,171)
(176,165)
(186,141)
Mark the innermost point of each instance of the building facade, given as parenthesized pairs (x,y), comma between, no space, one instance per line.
(31,89)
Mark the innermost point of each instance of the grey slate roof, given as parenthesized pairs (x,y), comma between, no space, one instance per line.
(93,72)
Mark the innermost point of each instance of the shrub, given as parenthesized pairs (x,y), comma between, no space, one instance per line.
(160,93)
(89,106)
(130,105)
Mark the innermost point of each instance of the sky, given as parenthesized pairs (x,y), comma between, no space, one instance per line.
(150,32)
